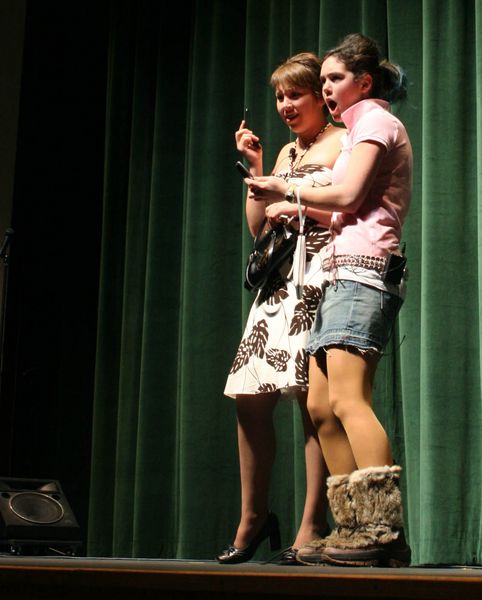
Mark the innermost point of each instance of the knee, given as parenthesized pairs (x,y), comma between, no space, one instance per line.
(319,410)
(341,407)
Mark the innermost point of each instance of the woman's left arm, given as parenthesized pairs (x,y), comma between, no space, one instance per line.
(290,209)
(346,196)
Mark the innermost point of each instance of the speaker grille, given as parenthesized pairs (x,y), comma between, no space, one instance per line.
(36,508)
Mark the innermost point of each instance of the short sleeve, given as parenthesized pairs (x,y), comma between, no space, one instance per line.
(376,126)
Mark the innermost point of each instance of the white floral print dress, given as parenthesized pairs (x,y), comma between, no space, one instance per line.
(272,354)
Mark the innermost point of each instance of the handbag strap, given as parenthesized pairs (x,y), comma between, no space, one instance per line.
(301,217)
(260,231)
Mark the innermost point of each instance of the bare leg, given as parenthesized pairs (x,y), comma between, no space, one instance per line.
(313,522)
(350,377)
(257,447)
(333,439)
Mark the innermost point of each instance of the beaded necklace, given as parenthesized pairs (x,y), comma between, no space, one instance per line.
(294,154)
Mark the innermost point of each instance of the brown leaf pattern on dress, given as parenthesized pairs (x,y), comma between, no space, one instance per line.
(278,359)
(241,358)
(255,343)
(274,291)
(307,169)
(316,240)
(258,338)
(301,367)
(305,310)
(267,387)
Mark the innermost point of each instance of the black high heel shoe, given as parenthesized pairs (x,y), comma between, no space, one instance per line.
(232,555)
(288,556)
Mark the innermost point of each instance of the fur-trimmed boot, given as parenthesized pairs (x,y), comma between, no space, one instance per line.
(343,515)
(378,538)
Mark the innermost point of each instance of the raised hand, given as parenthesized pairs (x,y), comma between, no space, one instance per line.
(248,144)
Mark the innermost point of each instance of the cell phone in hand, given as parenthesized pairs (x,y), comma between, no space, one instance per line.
(243,170)
(246,119)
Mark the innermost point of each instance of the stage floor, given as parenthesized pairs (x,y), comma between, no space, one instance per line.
(74,577)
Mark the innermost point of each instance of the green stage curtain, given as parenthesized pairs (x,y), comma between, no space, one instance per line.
(172,307)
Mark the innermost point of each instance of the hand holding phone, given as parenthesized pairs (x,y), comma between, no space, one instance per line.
(246,121)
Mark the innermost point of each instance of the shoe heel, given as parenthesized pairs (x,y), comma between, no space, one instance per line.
(275,535)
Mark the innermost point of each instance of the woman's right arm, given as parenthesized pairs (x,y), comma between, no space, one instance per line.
(253,153)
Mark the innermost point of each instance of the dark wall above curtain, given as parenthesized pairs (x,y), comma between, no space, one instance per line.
(49,351)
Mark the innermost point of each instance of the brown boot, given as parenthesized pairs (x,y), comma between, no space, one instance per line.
(378,538)
(343,514)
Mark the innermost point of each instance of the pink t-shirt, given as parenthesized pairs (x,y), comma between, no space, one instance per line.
(375,229)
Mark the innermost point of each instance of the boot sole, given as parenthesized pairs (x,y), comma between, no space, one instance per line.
(383,560)
(370,557)
(311,563)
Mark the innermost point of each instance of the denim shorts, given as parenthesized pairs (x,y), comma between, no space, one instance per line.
(353,314)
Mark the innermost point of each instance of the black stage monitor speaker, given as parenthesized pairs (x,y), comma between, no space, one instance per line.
(35,514)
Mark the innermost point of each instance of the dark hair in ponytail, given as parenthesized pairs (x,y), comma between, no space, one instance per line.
(360,55)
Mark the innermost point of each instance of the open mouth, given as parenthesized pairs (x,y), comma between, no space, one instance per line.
(331,105)
(291,117)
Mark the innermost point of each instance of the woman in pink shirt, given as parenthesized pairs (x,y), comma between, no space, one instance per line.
(362,293)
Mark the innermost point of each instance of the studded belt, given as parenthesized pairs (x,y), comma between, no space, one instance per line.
(376,263)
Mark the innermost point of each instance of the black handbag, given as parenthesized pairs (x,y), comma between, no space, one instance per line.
(269,252)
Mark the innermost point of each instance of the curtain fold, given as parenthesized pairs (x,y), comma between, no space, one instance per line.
(478,163)
(172,307)
(449,414)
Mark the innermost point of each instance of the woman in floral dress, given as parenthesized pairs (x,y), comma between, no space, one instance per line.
(271,360)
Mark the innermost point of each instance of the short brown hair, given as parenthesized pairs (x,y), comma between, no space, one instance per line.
(301,70)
